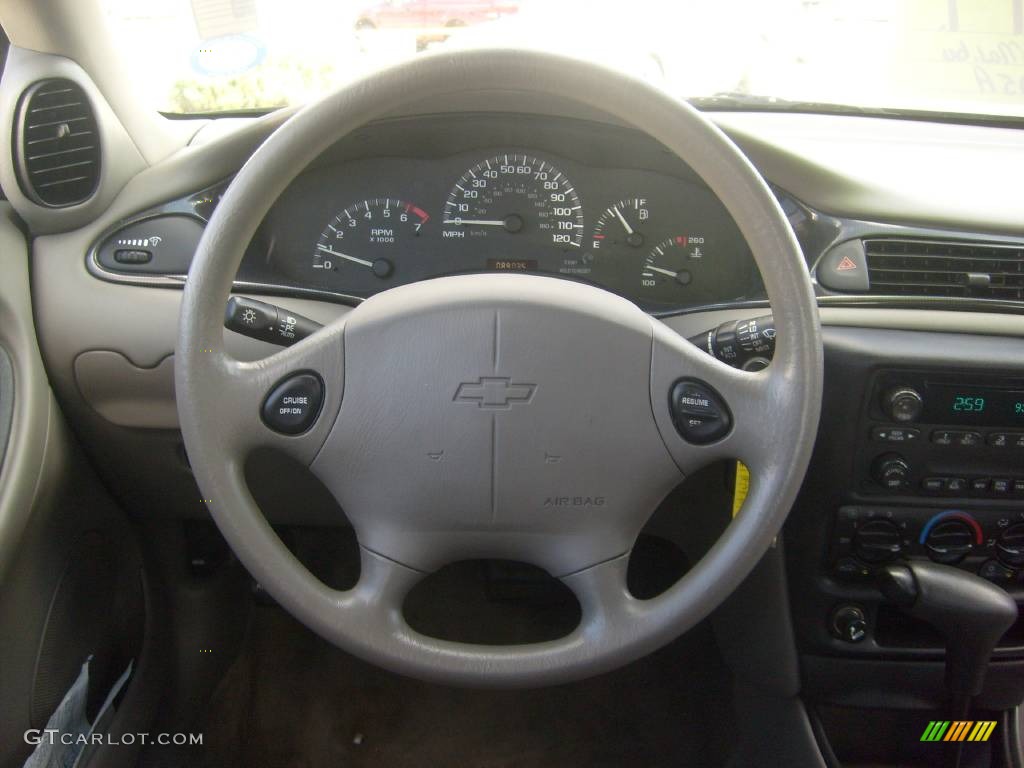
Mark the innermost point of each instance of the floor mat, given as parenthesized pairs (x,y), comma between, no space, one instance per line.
(294,701)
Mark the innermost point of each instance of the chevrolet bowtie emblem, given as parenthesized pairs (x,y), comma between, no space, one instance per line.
(494,392)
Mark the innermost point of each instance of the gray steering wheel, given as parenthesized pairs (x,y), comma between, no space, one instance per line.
(441,400)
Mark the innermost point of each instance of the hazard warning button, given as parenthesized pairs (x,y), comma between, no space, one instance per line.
(844,268)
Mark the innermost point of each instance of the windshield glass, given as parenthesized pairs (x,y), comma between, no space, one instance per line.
(949,56)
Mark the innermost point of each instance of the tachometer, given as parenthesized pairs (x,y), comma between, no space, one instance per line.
(368,236)
(515,196)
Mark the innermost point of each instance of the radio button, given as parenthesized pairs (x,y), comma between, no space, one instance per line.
(968,439)
(943,436)
(895,434)
(980,485)
(1001,486)
(934,484)
(1018,487)
(999,440)
(956,484)
(1006,440)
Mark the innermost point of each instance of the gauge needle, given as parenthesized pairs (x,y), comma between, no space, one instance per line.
(480,222)
(345,256)
(667,272)
(625,224)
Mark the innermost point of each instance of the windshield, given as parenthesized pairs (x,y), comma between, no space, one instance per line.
(948,56)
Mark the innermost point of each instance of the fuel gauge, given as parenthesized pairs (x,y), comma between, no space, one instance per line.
(622,228)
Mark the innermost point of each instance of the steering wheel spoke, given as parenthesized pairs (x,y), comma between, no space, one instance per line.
(603,596)
(708,410)
(288,400)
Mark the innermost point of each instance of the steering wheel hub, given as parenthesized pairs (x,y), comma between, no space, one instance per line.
(503,416)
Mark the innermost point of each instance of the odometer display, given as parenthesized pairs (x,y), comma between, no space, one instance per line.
(515,196)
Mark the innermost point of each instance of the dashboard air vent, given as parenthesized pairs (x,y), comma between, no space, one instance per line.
(899,267)
(57,143)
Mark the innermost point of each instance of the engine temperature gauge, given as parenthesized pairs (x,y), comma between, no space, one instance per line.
(670,264)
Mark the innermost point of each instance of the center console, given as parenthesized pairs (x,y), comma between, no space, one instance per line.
(920,457)
(944,452)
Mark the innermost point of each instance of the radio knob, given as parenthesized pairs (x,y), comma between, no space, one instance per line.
(891,471)
(1010,547)
(878,541)
(903,404)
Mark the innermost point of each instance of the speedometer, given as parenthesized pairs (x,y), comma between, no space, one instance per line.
(515,196)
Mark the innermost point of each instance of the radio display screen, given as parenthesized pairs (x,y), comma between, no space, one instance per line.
(976,406)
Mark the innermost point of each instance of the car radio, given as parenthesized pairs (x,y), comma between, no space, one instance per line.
(928,434)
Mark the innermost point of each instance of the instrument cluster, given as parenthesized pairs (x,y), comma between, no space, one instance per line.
(366,224)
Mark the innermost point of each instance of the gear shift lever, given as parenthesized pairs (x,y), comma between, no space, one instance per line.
(970,613)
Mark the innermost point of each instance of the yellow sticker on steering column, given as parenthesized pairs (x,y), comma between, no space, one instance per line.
(742,487)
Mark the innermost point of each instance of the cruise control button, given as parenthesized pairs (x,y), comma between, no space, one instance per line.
(293,405)
(699,413)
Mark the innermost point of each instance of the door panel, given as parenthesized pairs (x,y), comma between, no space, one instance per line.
(72,581)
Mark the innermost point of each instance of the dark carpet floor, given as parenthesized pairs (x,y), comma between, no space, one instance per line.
(294,701)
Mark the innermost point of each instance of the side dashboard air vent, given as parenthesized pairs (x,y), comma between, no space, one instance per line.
(899,267)
(56,143)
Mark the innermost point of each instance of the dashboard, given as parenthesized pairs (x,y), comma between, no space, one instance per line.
(589,203)
(109,342)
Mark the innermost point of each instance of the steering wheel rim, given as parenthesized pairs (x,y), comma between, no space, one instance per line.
(775,412)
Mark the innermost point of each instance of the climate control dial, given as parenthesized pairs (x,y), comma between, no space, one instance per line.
(951,536)
(878,541)
(1010,546)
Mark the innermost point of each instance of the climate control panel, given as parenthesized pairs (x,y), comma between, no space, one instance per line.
(987,542)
